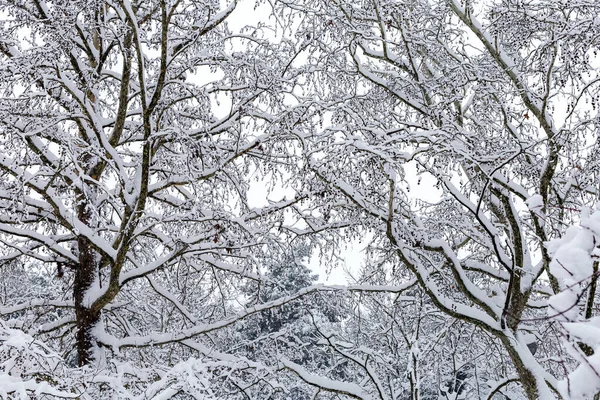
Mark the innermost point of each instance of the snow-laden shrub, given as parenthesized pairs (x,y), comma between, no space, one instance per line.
(575,265)
(30,368)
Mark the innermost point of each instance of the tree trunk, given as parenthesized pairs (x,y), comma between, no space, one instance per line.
(86,318)
(526,377)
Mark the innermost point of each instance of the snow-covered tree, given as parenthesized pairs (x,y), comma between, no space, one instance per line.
(461,136)
(122,184)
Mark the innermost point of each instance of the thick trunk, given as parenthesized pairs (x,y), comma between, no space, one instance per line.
(86,318)
(86,321)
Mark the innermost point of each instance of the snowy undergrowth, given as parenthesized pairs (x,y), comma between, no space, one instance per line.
(30,369)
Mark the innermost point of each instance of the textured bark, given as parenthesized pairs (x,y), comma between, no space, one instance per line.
(526,377)
(85,273)
(87,318)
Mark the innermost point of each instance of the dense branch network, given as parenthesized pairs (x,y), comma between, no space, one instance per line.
(165,176)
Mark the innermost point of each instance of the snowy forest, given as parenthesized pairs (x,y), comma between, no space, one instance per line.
(179,178)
